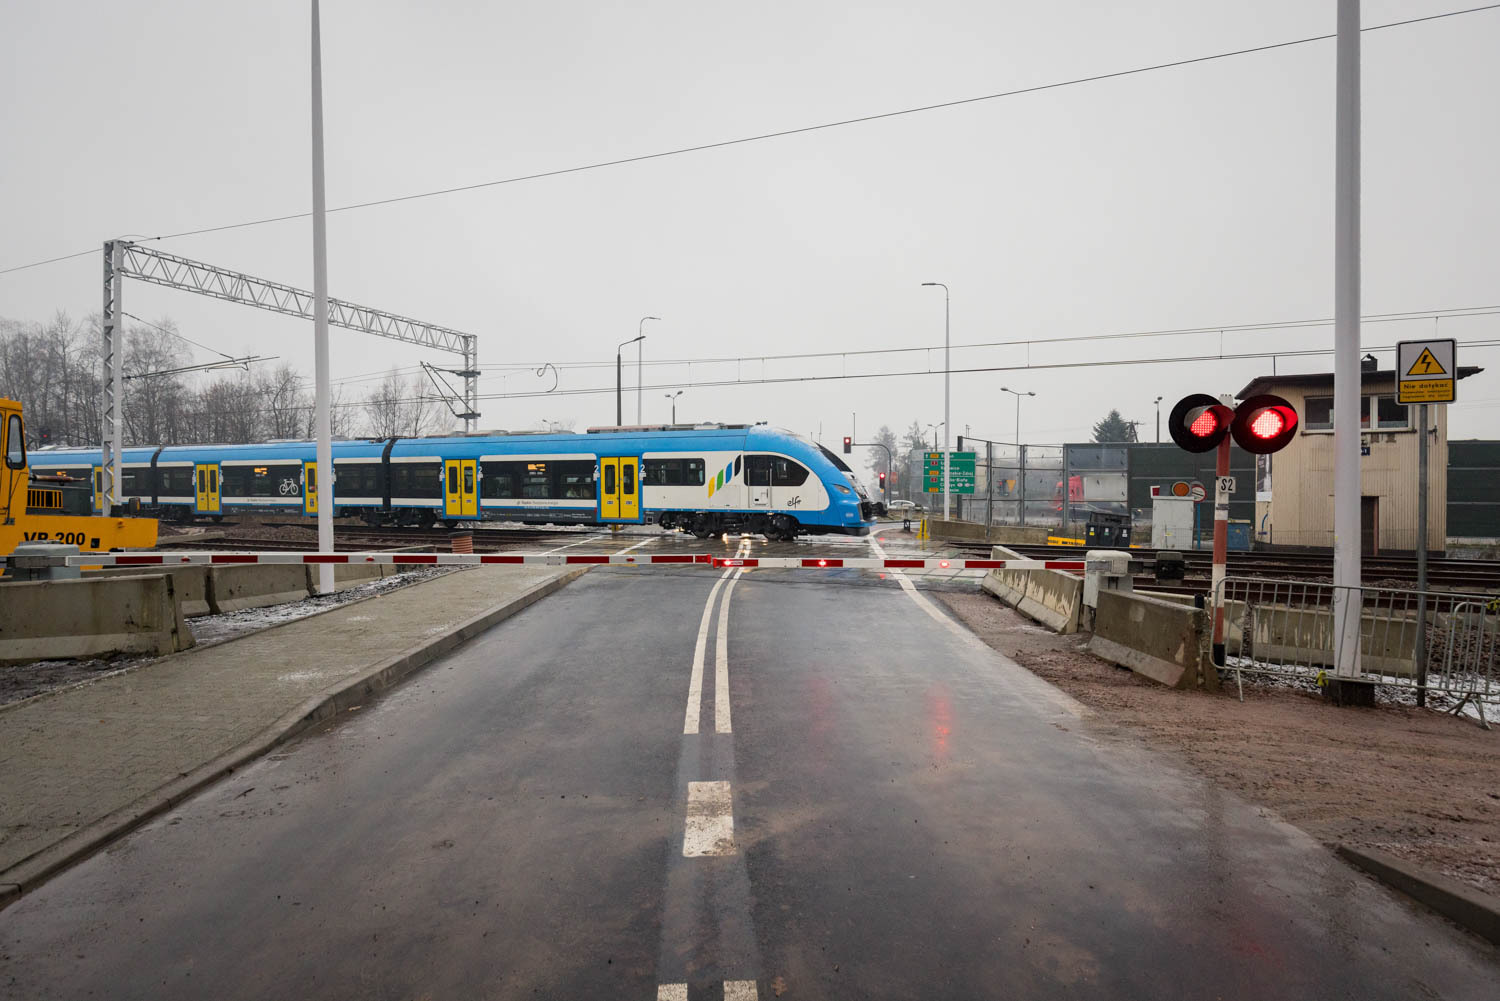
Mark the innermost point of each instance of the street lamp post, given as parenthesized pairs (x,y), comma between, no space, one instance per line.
(1158,420)
(1017,394)
(619,412)
(934,434)
(639,361)
(947,379)
(673,398)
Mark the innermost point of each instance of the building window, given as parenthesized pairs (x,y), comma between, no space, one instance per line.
(1317,413)
(1390,415)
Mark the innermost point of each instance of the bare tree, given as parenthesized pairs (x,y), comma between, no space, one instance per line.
(404,407)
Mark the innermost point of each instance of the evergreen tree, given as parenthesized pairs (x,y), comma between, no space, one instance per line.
(1114,428)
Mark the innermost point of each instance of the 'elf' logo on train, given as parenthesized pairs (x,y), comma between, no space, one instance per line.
(723,476)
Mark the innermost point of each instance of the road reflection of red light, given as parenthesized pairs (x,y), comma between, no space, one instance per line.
(940,714)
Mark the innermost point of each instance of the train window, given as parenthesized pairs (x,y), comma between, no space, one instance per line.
(787,472)
(575,480)
(627,478)
(176,481)
(498,480)
(468,479)
(672,472)
(609,479)
(213,479)
(361,479)
(453,479)
(202,481)
(133,483)
(416,479)
(533,476)
(15,443)
(758,470)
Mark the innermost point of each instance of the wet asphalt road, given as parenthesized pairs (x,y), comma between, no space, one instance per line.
(908,816)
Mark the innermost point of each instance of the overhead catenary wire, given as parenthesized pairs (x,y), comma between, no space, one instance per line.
(767,136)
(1430,314)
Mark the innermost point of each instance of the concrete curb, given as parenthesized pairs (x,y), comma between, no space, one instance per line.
(36,870)
(1463,905)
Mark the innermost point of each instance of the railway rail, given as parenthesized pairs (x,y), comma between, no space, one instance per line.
(1442,573)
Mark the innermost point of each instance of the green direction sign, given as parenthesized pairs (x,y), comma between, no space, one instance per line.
(960,472)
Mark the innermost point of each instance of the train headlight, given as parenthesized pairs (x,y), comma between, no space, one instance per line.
(843,489)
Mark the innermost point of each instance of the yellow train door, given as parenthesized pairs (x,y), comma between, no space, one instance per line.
(609,489)
(98,488)
(206,488)
(309,487)
(630,489)
(461,488)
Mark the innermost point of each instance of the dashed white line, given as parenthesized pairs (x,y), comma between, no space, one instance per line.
(721,663)
(709,829)
(695,680)
(671,992)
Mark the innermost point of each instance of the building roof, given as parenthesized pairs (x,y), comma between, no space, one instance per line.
(1269,383)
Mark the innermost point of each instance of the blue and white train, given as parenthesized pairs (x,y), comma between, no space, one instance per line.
(705,478)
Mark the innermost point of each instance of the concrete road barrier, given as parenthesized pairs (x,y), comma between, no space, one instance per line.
(1388,640)
(231,588)
(190,583)
(973,531)
(91,617)
(1051,597)
(1160,640)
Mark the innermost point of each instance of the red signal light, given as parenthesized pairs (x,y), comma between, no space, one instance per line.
(1264,424)
(1267,424)
(848,445)
(1204,424)
(1199,422)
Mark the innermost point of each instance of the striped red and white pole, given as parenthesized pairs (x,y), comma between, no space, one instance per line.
(1221,546)
(532,559)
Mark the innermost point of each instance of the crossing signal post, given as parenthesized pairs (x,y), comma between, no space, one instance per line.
(1260,425)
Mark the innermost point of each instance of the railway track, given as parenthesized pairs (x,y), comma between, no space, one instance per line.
(1443,574)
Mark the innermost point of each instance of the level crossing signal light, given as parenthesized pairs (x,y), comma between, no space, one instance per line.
(1261,424)
(848,445)
(882,478)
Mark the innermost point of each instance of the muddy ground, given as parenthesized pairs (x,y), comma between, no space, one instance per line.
(1412,782)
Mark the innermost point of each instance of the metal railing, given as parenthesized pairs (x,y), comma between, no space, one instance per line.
(1418,641)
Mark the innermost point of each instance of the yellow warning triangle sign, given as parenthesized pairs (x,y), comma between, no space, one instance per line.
(1426,364)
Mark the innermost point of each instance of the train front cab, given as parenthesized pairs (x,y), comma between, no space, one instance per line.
(620,489)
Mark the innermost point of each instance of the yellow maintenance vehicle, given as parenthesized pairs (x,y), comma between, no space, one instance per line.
(54,508)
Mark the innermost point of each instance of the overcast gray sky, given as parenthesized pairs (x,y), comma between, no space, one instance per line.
(1188,197)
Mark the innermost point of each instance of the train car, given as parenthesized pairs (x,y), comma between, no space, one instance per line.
(40,502)
(705,479)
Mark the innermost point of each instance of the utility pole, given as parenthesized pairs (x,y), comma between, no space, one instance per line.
(112,459)
(1422,552)
(323,496)
(1346,369)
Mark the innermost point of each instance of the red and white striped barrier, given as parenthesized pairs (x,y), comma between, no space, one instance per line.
(513,559)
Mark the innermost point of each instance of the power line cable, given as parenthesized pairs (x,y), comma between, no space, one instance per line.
(784,133)
(1438,314)
(180,337)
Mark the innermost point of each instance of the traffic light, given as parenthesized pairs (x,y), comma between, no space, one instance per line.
(1261,424)
(848,444)
(1264,424)
(960,447)
(882,478)
(1199,422)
